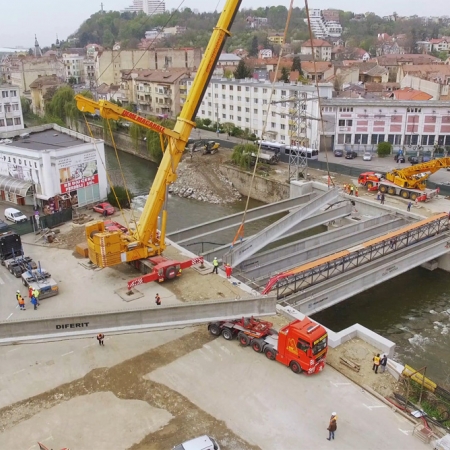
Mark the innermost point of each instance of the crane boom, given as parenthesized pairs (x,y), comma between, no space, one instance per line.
(110,248)
(414,177)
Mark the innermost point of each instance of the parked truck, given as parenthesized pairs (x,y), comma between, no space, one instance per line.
(301,345)
(41,280)
(10,246)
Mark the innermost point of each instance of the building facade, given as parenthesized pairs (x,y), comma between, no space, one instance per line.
(324,23)
(245,103)
(361,124)
(52,162)
(148,7)
(11,118)
(73,67)
(39,90)
(322,49)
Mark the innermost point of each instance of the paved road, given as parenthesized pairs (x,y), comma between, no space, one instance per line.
(269,406)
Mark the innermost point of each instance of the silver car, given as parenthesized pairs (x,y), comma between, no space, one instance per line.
(367,156)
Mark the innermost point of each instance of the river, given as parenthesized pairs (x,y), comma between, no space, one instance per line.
(413,309)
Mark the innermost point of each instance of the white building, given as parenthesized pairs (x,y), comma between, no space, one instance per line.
(361,124)
(73,67)
(148,7)
(51,162)
(321,27)
(11,118)
(245,103)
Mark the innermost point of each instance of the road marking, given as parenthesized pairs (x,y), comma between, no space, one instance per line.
(1,281)
(339,384)
(9,316)
(23,370)
(90,345)
(47,439)
(375,406)
(13,350)
(68,353)
(407,432)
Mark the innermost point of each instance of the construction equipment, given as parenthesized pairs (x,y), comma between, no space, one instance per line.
(40,280)
(302,345)
(17,266)
(409,183)
(10,246)
(209,147)
(268,158)
(111,248)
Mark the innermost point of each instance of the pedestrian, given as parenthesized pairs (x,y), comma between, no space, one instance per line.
(228,270)
(332,426)
(100,337)
(356,192)
(215,266)
(376,363)
(383,363)
(345,188)
(157,299)
(34,302)
(408,208)
(382,198)
(351,189)
(20,301)
(379,195)
(30,292)
(36,294)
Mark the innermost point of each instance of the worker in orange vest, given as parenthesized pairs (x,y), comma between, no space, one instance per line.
(20,300)
(30,292)
(100,338)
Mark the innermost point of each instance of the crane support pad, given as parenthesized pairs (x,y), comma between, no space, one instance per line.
(136,320)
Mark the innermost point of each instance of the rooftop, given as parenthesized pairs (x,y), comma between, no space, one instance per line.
(47,139)
(410,94)
(316,43)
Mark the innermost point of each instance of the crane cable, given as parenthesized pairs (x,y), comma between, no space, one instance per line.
(319,103)
(240,231)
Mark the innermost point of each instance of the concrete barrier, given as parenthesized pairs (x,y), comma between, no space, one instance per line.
(133,320)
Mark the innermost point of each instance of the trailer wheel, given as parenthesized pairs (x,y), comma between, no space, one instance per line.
(214,329)
(391,191)
(383,189)
(256,345)
(244,340)
(369,185)
(295,367)
(404,194)
(227,334)
(270,353)
(413,196)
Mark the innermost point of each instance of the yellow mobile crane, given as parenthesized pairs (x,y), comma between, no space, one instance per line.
(409,182)
(110,248)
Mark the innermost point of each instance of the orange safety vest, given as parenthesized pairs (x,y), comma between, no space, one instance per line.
(20,300)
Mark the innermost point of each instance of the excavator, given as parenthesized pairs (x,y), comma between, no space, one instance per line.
(208,147)
(409,183)
(107,248)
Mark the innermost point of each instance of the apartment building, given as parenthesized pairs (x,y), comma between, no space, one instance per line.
(148,7)
(39,89)
(324,23)
(322,49)
(361,124)
(73,67)
(11,118)
(109,63)
(153,91)
(245,103)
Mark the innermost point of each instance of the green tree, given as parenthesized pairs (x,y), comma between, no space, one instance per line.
(228,127)
(297,65)
(26,107)
(384,149)
(241,155)
(72,81)
(284,75)
(253,50)
(207,122)
(119,197)
(242,71)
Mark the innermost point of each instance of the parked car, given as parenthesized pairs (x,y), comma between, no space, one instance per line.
(338,153)
(413,159)
(350,155)
(4,227)
(104,208)
(200,443)
(367,156)
(399,158)
(14,215)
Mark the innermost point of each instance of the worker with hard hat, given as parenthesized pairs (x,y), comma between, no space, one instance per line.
(332,427)
(215,266)
(20,301)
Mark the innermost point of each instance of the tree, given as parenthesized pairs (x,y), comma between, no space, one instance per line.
(284,75)
(253,51)
(242,71)
(228,127)
(206,122)
(297,65)
(384,149)
(120,197)
(26,107)
(72,81)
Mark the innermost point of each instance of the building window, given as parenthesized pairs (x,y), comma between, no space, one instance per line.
(224,106)
(247,89)
(344,138)
(231,88)
(2,122)
(345,123)
(395,139)
(377,138)
(17,121)
(247,110)
(361,139)
(264,91)
(411,139)
(209,104)
(4,94)
(231,107)
(224,116)
(216,95)
(283,93)
(247,99)
(247,119)
(231,97)
(255,100)
(9,122)
(414,110)
(7,108)
(203,112)
(239,88)
(283,126)
(255,111)
(239,108)
(347,109)
(428,139)
(273,124)
(13,93)
(283,104)
(223,97)
(283,137)
(264,102)
(444,140)
(223,87)
(283,116)
(255,89)
(239,98)
(216,85)
(239,118)
(231,117)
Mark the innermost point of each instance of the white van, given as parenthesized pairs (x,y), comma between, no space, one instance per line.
(14,215)
(200,443)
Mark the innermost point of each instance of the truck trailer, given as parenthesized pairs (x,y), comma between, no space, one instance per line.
(301,345)
(41,280)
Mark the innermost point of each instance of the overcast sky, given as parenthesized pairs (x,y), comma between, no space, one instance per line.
(47,18)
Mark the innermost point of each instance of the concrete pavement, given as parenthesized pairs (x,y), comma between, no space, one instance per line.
(271,407)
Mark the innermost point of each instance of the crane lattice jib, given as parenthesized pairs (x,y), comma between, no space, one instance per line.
(416,175)
(146,241)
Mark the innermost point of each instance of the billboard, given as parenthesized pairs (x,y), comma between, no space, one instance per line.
(77,172)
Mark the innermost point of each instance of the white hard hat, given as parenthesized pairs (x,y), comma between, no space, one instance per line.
(333,413)
(18,291)
(215,257)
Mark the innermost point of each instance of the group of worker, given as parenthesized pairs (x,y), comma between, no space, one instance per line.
(351,189)
(33,295)
(228,268)
(379,361)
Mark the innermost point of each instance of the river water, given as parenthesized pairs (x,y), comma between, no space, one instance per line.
(413,309)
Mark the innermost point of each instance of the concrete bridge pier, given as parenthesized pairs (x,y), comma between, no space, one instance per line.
(444,261)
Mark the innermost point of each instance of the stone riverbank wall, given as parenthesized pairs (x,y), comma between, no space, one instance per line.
(263,189)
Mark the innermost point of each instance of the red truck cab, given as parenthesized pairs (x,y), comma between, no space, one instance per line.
(302,345)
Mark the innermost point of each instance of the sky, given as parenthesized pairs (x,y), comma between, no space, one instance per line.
(22,19)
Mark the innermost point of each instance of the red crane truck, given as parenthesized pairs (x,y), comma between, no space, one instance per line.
(302,345)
